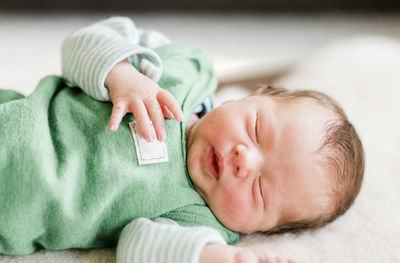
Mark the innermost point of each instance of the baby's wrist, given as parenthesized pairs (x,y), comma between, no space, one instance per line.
(216,253)
(221,253)
(121,70)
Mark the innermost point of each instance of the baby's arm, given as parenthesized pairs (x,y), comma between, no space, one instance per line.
(234,254)
(100,56)
(90,53)
(163,240)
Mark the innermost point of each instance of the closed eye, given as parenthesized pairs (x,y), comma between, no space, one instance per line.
(257,190)
(261,192)
(255,129)
(254,190)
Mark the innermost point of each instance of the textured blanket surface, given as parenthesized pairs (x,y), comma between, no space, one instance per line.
(363,74)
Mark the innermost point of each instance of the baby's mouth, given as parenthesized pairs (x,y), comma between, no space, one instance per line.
(212,163)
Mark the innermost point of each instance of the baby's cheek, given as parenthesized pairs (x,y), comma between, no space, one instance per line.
(237,205)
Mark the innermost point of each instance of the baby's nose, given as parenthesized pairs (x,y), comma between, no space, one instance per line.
(246,161)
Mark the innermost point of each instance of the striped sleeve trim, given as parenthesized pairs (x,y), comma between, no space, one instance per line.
(149,69)
(146,241)
(153,39)
(89,55)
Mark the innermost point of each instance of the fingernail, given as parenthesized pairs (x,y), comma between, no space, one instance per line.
(149,137)
(163,135)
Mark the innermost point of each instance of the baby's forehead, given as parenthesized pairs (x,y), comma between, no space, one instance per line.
(301,131)
(300,101)
(300,107)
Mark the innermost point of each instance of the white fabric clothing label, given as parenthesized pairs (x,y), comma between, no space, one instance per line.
(148,152)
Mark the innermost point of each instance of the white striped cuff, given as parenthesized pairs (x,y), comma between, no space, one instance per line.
(146,241)
(91,61)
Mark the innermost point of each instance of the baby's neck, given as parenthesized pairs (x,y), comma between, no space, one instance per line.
(192,121)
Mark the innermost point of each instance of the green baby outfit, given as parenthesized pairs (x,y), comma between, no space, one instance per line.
(66,181)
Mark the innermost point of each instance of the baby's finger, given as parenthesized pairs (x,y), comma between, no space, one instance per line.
(279,260)
(139,111)
(167,99)
(167,113)
(157,117)
(118,112)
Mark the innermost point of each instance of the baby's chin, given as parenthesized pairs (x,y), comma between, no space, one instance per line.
(234,221)
(237,226)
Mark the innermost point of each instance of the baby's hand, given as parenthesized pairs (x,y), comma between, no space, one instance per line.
(232,254)
(131,91)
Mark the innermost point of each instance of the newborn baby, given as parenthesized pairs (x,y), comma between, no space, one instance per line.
(274,161)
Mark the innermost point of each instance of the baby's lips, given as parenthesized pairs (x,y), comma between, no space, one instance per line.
(220,162)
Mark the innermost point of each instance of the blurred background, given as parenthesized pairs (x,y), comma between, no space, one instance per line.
(250,40)
(207,5)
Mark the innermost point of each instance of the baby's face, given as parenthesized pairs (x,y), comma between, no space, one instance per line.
(254,162)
